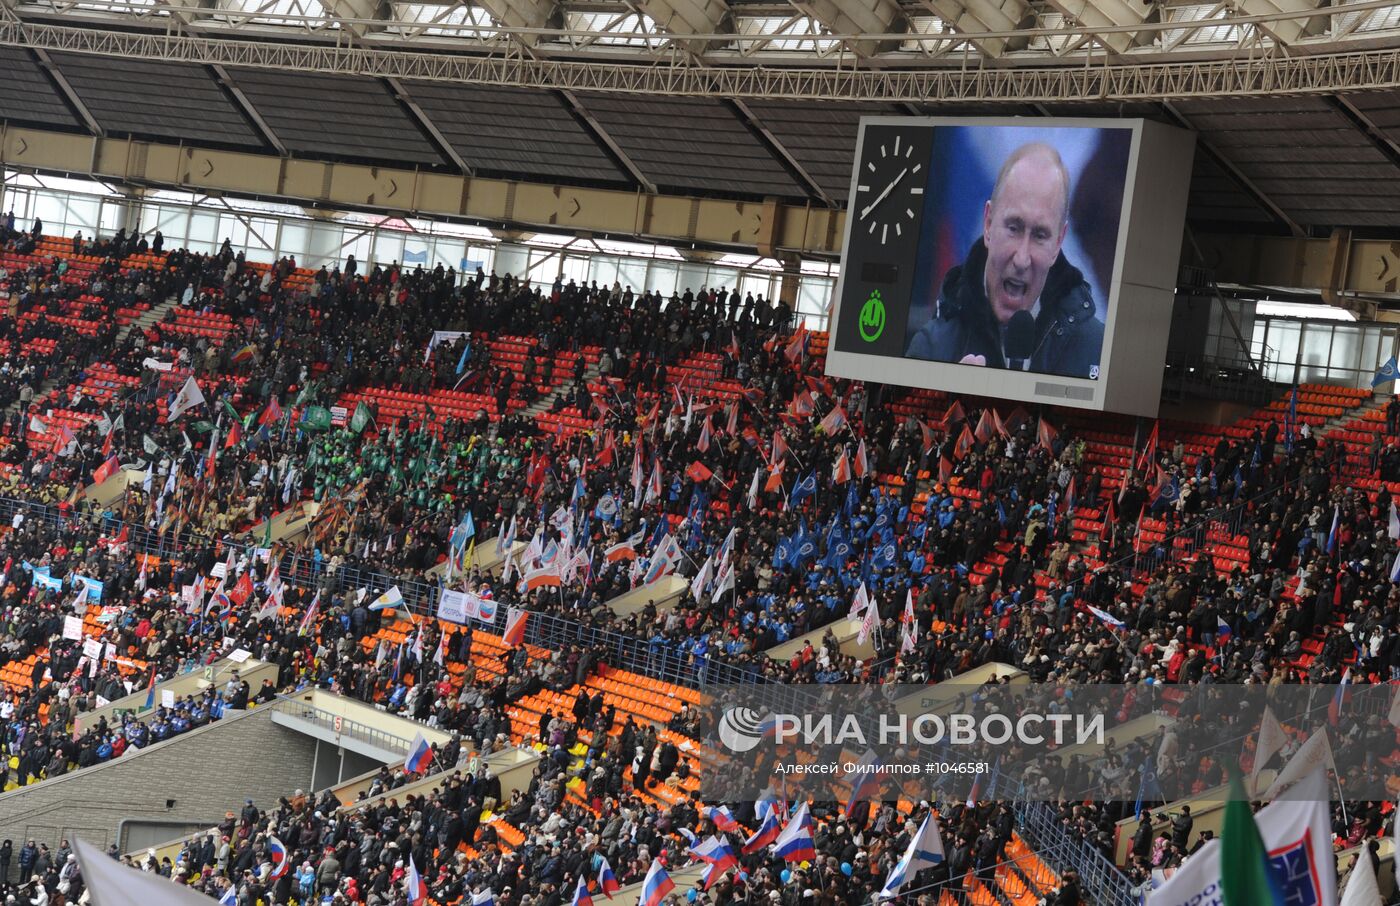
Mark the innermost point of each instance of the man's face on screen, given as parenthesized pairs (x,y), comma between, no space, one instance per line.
(1023,226)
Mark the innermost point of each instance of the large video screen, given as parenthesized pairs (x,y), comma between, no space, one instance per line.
(993,256)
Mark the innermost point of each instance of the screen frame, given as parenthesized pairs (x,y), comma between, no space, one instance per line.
(1035,387)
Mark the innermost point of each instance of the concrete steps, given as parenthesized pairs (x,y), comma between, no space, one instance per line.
(544,403)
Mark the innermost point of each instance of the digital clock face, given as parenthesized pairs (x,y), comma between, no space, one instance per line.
(890,190)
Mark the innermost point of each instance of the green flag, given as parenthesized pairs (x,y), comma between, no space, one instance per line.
(232,412)
(202,427)
(1249,879)
(267,533)
(361,418)
(316,418)
(308,392)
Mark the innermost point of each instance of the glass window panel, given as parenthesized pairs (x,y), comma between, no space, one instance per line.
(632,272)
(662,277)
(293,239)
(691,276)
(603,270)
(575,268)
(1346,348)
(389,247)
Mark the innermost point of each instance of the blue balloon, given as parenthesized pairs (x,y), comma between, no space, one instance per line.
(690,895)
(743,876)
(786,876)
(846,869)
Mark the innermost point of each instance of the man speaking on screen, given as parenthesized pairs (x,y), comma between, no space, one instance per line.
(1015,302)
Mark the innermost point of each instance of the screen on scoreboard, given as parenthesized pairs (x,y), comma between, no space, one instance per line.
(1003,257)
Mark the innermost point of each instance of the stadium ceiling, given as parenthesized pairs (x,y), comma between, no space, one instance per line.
(886,50)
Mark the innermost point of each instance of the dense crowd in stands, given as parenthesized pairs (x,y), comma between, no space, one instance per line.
(671,421)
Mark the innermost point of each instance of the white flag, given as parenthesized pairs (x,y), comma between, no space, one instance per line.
(925,851)
(1394,528)
(867,625)
(702,578)
(189,396)
(1271,741)
(1314,754)
(1362,889)
(859,602)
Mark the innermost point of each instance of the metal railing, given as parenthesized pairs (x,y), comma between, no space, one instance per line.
(1100,880)
(295,707)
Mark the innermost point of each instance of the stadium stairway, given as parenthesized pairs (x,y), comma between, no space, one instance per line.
(148,318)
(543,405)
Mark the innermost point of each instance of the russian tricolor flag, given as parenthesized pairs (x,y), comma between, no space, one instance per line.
(413,885)
(1222,632)
(767,832)
(795,843)
(420,755)
(867,779)
(277,855)
(1334,707)
(722,818)
(719,856)
(607,881)
(581,895)
(656,886)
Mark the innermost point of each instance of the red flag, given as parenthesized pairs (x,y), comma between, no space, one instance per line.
(515,627)
(862,460)
(106,470)
(605,456)
(273,413)
(954,414)
(703,444)
(780,447)
(1047,434)
(835,420)
(1149,453)
(802,404)
(242,589)
(964,444)
(235,435)
(775,478)
(107,443)
(732,427)
(697,472)
(842,472)
(927,435)
(945,470)
(984,426)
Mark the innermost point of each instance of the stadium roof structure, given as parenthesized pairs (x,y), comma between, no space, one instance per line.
(903,50)
(1296,102)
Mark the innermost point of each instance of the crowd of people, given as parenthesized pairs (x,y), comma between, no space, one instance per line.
(815,484)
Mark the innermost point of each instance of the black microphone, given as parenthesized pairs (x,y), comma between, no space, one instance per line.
(1020,341)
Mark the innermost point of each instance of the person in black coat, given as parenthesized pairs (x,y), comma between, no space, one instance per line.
(1017,267)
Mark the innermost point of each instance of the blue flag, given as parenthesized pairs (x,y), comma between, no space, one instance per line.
(1386,373)
(804,488)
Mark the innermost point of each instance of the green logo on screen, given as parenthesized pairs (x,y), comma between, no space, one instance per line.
(872,318)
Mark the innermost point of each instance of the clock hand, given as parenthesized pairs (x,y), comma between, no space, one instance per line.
(887,190)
